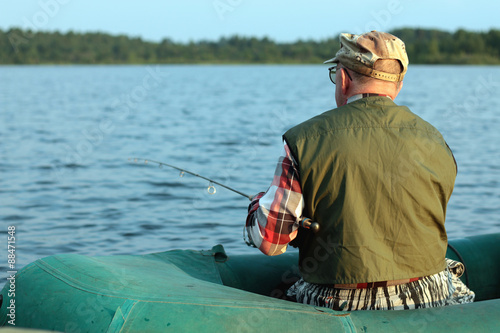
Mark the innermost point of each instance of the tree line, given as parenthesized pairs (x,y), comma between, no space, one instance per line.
(424,46)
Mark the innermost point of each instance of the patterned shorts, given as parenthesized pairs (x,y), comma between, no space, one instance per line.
(441,289)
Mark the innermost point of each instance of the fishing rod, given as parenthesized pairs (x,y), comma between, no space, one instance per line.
(305,223)
(211,189)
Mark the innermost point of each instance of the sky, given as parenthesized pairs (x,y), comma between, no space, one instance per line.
(279,20)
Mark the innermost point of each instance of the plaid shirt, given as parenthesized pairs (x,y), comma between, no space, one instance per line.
(274,216)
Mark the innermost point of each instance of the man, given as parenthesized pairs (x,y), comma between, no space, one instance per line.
(377,179)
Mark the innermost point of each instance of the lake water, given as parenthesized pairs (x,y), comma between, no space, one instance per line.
(67,133)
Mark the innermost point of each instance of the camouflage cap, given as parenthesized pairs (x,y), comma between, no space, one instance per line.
(360,52)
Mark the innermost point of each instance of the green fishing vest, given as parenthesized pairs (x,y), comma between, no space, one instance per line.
(377,179)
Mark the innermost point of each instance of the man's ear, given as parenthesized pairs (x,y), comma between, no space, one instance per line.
(400,86)
(346,82)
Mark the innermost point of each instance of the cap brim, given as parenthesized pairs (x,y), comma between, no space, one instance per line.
(331,61)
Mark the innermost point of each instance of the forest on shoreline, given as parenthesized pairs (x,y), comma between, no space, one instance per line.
(424,46)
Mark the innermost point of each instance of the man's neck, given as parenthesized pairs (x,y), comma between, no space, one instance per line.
(375,87)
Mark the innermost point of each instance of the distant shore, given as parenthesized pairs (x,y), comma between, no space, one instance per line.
(424,46)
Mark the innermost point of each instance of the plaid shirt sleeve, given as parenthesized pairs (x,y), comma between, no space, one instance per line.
(274,216)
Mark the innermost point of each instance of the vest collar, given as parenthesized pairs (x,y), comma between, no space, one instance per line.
(360,96)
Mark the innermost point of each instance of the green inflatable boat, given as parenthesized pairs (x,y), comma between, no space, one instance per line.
(210,291)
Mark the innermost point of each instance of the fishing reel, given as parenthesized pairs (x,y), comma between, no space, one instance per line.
(307,223)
